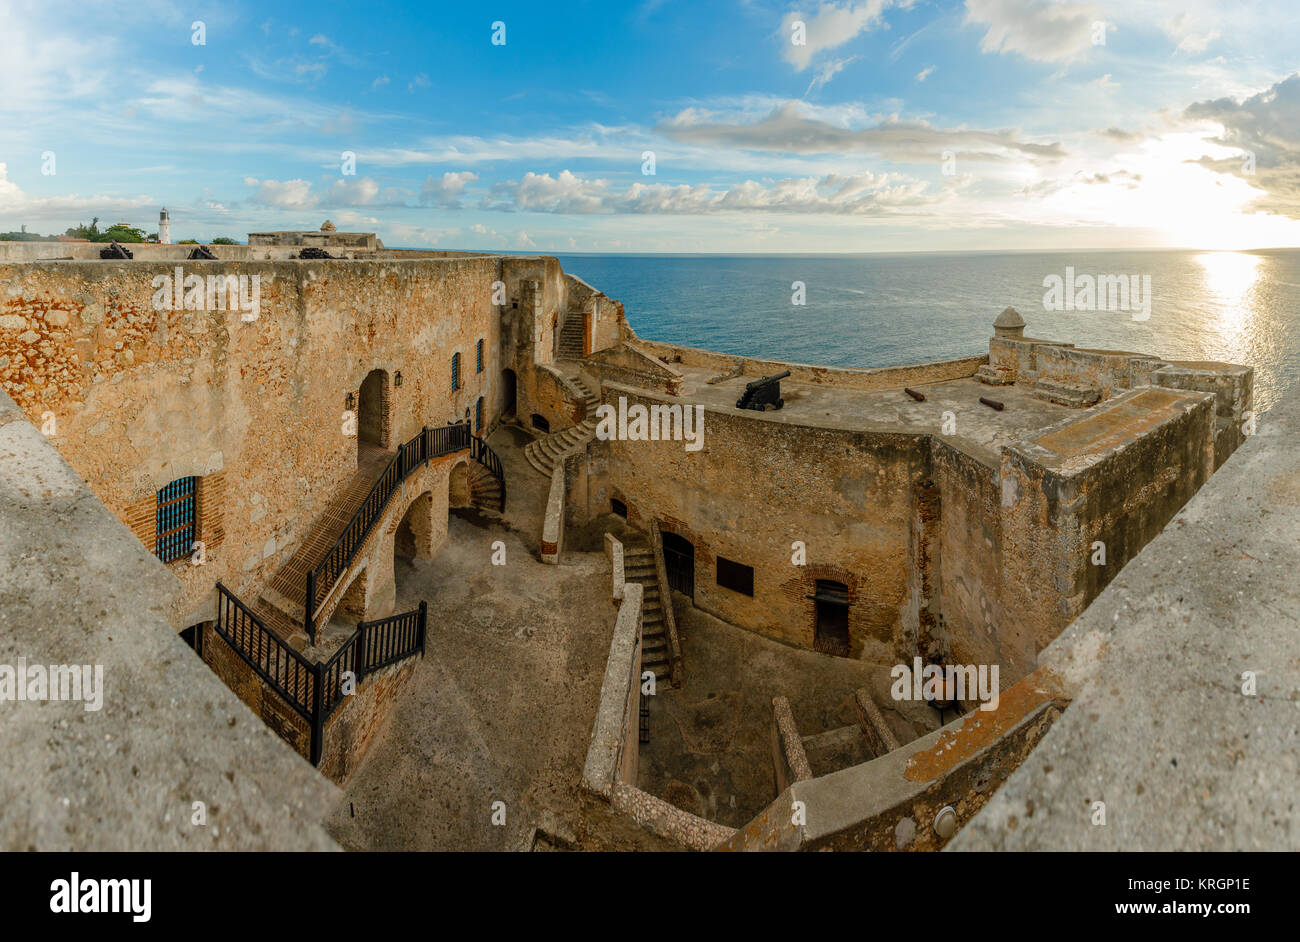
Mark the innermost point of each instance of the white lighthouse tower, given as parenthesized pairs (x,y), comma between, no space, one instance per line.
(164,227)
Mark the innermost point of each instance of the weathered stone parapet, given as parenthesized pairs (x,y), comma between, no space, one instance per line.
(553,522)
(873,724)
(1182,731)
(891,802)
(614,550)
(668,821)
(789,759)
(615,732)
(168,733)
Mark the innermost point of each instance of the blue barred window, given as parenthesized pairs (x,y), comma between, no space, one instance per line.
(478,357)
(175,523)
(478,415)
(455,371)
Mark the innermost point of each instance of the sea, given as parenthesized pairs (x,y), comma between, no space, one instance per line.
(890,310)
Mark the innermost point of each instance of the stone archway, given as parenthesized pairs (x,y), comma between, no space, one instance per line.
(414,535)
(459,493)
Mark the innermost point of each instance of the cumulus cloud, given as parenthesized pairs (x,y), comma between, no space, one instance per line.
(285,194)
(17,203)
(835,194)
(788,129)
(1042,30)
(298,194)
(925,73)
(446,191)
(1266,128)
(831,26)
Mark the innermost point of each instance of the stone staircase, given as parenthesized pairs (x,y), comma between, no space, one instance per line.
(282,600)
(1074,395)
(639,567)
(570,338)
(484,489)
(543,453)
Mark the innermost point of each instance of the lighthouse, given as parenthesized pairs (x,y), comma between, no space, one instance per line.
(164,227)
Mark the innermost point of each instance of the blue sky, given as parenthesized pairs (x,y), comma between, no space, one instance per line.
(983,124)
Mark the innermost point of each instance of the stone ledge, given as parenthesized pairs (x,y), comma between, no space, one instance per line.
(1159,729)
(77,588)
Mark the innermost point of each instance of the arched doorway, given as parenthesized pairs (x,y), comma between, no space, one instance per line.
(679,560)
(508,393)
(372,406)
(458,489)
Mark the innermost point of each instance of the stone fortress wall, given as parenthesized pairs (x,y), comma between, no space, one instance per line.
(975,545)
(136,397)
(971,544)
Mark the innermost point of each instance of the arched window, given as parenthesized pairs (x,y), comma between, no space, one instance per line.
(455,371)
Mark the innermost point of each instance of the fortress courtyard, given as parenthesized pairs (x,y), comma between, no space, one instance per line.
(370,542)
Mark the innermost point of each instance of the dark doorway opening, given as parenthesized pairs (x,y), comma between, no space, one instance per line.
(540,423)
(679,560)
(616,506)
(832,632)
(370,409)
(508,393)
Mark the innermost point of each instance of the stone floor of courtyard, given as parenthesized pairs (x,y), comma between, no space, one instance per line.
(502,705)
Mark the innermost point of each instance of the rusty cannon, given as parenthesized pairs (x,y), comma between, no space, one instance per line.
(762,393)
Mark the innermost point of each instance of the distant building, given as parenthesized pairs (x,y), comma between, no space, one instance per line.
(328,236)
(164,227)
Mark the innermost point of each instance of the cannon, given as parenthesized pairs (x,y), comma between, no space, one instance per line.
(762,393)
(116,251)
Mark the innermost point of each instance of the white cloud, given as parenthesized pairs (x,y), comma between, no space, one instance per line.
(831,26)
(827,72)
(446,191)
(925,73)
(834,194)
(1042,30)
(790,129)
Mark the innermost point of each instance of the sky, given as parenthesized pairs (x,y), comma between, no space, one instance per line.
(662,126)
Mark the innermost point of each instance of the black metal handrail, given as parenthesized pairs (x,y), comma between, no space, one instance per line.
(315,691)
(289,674)
(388,640)
(481,452)
(429,443)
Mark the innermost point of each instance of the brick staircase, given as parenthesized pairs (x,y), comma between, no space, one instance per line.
(281,602)
(570,338)
(544,452)
(639,567)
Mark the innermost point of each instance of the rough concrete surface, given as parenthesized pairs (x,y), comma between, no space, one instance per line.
(1159,729)
(77,588)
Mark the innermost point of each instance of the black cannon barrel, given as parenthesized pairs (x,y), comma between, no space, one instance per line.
(766,380)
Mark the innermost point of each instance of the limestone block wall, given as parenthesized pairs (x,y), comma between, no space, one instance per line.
(758,486)
(139,397)
(1019,543)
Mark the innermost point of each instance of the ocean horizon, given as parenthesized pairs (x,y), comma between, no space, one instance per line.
(891,309)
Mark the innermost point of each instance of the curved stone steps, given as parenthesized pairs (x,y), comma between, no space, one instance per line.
(543,453)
